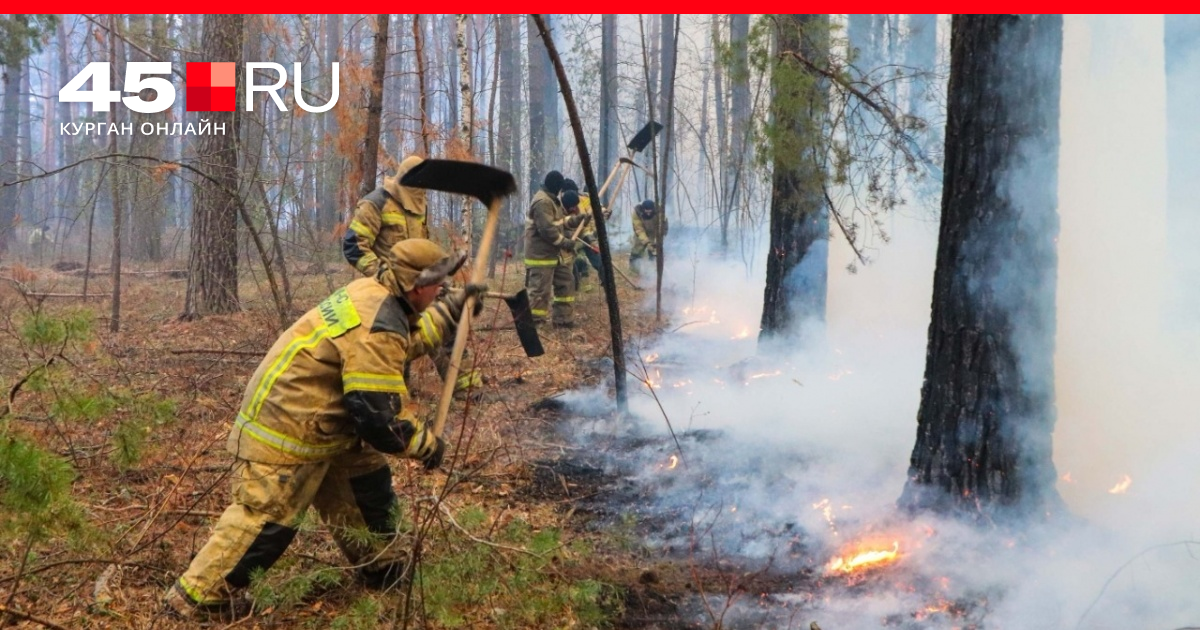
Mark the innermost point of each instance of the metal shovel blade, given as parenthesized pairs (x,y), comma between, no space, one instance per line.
(523,320)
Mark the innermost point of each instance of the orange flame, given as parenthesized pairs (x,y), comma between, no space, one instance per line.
(864,560)
(1121,486)
(674,462)
(745,332)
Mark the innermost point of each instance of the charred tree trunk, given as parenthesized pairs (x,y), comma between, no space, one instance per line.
(213,265)
(610,126)
(984,426)
(370,156)
(797,257)
(1182,39)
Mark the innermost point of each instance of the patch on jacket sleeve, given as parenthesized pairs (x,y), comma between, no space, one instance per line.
(339,313)
(391,317)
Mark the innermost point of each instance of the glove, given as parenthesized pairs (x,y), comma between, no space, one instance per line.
(567,245)
(428,449)
(433,460)
(574,220)
(478,290)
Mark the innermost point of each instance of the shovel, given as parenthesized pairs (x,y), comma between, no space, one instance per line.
(522,316)
(488,185)
(636,145)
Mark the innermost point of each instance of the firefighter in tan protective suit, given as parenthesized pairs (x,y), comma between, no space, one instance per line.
(388,215)
(318,415)
(550,255)
(647,221)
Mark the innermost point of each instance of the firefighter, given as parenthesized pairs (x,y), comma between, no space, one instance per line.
(550,255)
(387,215)
(587,249)
(317,418)
(647,221)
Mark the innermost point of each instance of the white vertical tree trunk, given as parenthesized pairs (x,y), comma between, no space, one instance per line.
(466,119)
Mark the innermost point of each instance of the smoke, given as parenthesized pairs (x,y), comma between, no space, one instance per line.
(790,459)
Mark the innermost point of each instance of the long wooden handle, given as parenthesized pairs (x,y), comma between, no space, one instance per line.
(608,179)
(464,322)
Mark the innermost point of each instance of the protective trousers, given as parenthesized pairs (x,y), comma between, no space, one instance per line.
(552,282)
(351,492)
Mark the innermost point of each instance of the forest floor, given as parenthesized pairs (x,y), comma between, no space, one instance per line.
(114,468)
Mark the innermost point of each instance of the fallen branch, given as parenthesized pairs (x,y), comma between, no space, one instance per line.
(446,512)
(245,353)
(6,610)
(12,392)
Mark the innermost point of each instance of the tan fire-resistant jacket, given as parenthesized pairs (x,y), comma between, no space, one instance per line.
(386,216)
(645,231)
(545,240)
(337,376)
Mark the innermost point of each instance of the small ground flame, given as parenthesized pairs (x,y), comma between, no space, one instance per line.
(674,462)
(864,560)
(1122,486)
(745,333)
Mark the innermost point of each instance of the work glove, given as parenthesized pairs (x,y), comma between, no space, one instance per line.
(573,221)
(567,245)
(456,298)
(427,448)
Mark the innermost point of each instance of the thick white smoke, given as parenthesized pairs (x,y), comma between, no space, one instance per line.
(837,422)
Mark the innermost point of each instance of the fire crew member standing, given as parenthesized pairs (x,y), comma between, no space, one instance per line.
(386,216)
(550,255)
(324,405)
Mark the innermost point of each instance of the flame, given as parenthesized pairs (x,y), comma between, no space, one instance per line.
(1121,486)
(743,334)
(826,509)
(766,374)
(1067,477)
(652,357)
(864,560)
(674,462)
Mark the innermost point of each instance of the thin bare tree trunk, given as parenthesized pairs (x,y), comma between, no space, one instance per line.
(114,323)
(670,49)
(370,155)
(423,95)
(466,119)
(610,286)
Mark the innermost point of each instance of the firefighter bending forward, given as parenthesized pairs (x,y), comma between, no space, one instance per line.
(318,415)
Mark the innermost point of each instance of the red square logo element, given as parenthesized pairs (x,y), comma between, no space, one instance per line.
(211,87)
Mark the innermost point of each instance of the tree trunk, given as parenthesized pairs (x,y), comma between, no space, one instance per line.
(550,99)
(984,426)
(739,142)
(722,136)
(148,200)
(466,119)
(66,186)
(921,56)
(212,279)
(610,126)
(422,87)
(799,233)
(25,191)
(538,63)
(1182,40)
(370,156)
(334,171)
(506,133)
(9,130)
(670,42)
(539,27)
(118,209)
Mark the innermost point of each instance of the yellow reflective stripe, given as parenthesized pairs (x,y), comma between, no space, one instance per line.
(533,262)
(362,230)
(468,380)
(538,311)
(564,300)
(281,363)
(391,218)
(287,444)
(368,258)
(429,330)
(369,382)
(197,596)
